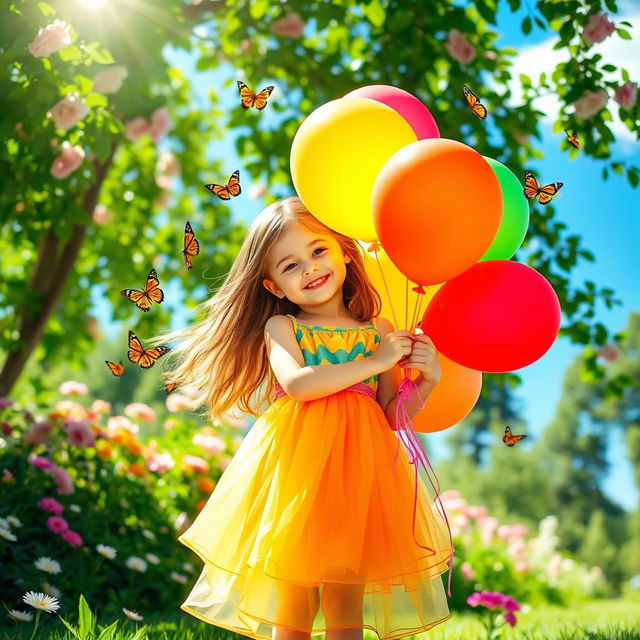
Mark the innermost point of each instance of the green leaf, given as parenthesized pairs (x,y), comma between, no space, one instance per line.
(96,100)
(632,176)
(72,52)
(526,25)
(624,34)
(258,9)
(47,9)
(86,619)
(375,12)
(625,75)
(611,5)
(609,67)
(540,23)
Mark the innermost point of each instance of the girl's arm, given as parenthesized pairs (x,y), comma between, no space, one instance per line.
(302,382)
(389,381)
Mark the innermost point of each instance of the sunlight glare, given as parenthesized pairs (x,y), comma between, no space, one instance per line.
(92,4)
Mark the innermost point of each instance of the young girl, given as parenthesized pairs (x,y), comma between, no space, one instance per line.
(311,527)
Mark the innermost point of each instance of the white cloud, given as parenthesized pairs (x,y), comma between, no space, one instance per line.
(535,59)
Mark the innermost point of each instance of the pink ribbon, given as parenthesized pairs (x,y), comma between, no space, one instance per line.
(416,453)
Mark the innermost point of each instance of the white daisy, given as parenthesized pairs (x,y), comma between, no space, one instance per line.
(137,564)
(7,535)
(152,558)
(51,590)
(187,566)
(25,616)
(106,551)
(4,523)
(13,521)
(178,577)
(132,614)
(47,564)
(75,507)
(41,601)
(148,534)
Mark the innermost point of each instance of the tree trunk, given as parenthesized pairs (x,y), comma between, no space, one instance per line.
(48,281)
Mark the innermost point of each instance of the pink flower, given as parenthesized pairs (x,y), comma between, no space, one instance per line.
(160,462)
(110,80)
(41,463)
(73,388)
(79,433)
(5,402)
(212,444)
(160,124)
(72,537)
(609,352)
(50,39)
(57,524)
(627,94)
(510,618)
(136,128)
(449,495)
(522,566)
(6,428)
(512,531)
(100,406)
(291,25)
(590,102)
(102,215)
(459,47)
(467,571)
(52,505)
(68,112)
(195,463)
(177,402)
(39,432)
(476,512)
(168,164)
(140,411)
(68,161)
(598,28)
(63,481)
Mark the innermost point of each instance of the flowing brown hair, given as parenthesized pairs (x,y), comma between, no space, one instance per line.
(223,356)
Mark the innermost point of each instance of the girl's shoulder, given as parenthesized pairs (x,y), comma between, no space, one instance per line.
(384,326)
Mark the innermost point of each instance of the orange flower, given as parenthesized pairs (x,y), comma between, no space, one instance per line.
(200,505)
(103,449)
(137,470)
(205,484)
(134,446)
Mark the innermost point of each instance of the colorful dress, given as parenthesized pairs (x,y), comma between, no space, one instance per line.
(312,497)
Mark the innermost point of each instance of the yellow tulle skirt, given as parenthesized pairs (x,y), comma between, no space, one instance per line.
(310,528)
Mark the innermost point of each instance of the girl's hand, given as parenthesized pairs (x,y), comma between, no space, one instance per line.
(393,347)
(423,357)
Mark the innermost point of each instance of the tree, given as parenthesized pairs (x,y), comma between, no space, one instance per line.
(59,250)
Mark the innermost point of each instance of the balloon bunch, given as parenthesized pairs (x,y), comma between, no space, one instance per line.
(372,165)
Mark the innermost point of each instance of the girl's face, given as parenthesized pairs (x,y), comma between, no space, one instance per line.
(301,256)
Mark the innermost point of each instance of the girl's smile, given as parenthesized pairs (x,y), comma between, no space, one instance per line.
(318,282)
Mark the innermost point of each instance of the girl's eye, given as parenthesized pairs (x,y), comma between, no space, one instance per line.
(290,265)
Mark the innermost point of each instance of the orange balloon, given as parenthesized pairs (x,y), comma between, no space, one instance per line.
(437,206)
(396,284)
(451,400)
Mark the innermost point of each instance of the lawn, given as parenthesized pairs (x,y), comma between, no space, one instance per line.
(594,620)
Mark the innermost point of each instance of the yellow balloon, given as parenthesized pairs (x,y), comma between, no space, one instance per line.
(336,155)
(398,291)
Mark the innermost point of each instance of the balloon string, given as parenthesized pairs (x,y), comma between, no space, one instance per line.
(416,454)
(384,281)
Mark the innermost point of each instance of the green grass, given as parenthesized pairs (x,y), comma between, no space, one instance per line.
(596,620)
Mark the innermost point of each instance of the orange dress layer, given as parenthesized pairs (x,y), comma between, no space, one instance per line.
(312,511)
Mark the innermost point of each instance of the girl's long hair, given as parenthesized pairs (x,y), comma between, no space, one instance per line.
(222,358)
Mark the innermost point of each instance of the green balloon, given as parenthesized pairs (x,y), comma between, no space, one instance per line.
(515,215)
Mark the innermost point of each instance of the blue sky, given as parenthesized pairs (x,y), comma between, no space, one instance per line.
(604,214)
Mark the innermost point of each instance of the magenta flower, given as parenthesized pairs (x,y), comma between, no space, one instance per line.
(42,463)
(5,402)
(57,524)
(510,618)
(72,537)
(495,600)
(52,505)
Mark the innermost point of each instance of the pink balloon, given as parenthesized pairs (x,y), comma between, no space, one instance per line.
(408,106)
(497,316)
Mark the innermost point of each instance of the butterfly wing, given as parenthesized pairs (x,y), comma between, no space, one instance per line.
(247,97)
(135,348)
(139,298)
(152,287)
(573,139)
(531,188)
(509,439)
(472,100)
(548,191)
(150,356)
(220,190)
(233,185)
(116,369)
(191,245)
(260,99)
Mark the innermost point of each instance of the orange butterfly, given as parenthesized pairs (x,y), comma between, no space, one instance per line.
(472,100)
(250,99)
(137,354)
(572,139)
(531,189)
(168,388)
(191,245)
(152,293)
(509,439)
(116,369)
(232,188)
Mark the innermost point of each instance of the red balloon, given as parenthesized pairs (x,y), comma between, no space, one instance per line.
(497,316)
